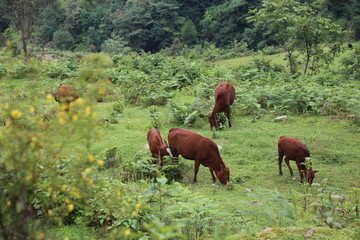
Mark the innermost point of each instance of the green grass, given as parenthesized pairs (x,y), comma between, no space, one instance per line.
(249,149)
(278,58)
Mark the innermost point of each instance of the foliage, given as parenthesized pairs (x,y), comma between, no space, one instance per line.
(298,27)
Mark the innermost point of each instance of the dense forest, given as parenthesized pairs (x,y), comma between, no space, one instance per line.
(149,25)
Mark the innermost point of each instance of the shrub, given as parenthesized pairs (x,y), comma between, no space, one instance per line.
(63,40)
(118,108)
(2,69)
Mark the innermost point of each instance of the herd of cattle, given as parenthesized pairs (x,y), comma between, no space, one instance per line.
(204,150)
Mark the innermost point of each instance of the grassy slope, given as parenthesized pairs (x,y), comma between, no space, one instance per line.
(274,59)
(249,149)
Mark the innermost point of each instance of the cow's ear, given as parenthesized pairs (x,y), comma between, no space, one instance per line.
(315,171)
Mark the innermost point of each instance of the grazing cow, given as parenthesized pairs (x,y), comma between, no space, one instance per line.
(65,94)
(350,46)
(158,146)
(224,97)
(294,149)
(203,150)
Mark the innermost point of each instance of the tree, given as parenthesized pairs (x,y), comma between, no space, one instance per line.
(22,14)
(305,36)
(148,25)
(189,32)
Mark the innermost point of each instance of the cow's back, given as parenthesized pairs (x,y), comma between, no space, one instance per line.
(293,148)
(192,145)
(225,92)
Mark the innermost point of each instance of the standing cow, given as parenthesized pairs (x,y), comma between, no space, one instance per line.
(158,146)
(224,97)
(203,150)
(65,94)
(294,149)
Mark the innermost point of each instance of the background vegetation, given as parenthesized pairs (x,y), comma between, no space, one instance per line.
(85,173)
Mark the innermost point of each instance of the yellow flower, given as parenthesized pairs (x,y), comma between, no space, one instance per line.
(67,200)
(8,203)
(91,158)
(88,170)
(63,187)
(66,238)
(62,121)
(87,111)
(70,207)
(102,91)
(127,232)
(49,190)
(28,177)
(32,109)
(51,212)
(138,205)
(134,214)
(93,115)
(7,106)
(15,113)
(100,163)
(41,235)
(75,117)
(49,98)
(79,101)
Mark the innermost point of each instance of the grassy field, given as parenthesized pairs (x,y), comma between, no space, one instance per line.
(258,202)
(278,58)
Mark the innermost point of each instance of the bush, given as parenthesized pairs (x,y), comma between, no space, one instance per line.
(63,40)
(2,69)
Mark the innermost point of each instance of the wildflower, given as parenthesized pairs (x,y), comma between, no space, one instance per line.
(66,238)
(75,117)
(63,187)
(8,203)
(134,214)
(138,205)
(49,190)
(62,121)
(49,98)
(41,235)
(32,109)
(100,163)
(67,200)
(15,113)
(79,101)
(7,106)
(127,232)
(87,111)
(88,170)
(70,207)
(51,212)
(91,158)
(102,91)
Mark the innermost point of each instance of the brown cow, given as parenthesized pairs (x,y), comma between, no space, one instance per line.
(294,149)
(65,94)
(224,97)
(203,150)
(158,146)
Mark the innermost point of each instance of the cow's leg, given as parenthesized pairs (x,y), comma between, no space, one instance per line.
(196,169)
(281,156)
(161,161)
(227,111)
(301,170)
(287,161)
(213,176)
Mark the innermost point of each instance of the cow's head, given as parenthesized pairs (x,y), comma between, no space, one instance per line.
(310,175)
(164,149)
(223,175)
(212,120)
